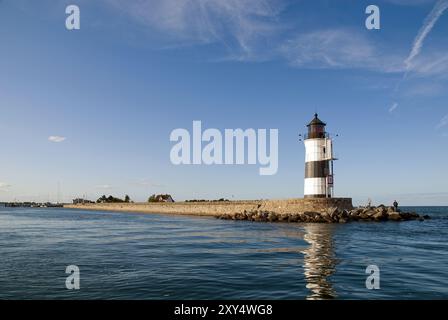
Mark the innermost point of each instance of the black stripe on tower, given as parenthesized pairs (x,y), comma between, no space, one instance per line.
(317,169)
(315,196)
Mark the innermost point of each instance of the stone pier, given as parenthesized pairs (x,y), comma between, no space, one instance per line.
(316,210)
(209,208)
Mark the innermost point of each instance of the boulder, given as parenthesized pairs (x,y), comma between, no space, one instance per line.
(311,216)
(319,219)
(363,216)
(262,216)
(405,215)
(379,216)
(354,213)
(272,217)
(326,217)
(390,209)
(394,216)
(333,211)
(365,210)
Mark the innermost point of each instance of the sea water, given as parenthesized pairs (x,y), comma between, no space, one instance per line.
(152,256)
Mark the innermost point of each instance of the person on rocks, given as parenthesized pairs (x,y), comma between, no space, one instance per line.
(395,205)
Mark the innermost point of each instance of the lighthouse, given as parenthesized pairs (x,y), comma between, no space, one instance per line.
(318,161)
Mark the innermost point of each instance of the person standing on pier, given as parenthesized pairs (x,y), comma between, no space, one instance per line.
(395,205)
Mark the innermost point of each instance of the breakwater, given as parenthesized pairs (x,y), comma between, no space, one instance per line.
(286,206)
(315,210)
(331,215)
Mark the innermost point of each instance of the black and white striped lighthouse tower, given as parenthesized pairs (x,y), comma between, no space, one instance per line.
(318,161)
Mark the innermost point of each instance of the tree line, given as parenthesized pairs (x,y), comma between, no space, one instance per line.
(127,199)
(111,199)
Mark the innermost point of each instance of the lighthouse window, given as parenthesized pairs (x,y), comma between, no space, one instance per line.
(316,131)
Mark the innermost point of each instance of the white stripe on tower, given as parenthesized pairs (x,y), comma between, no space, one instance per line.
(315,187)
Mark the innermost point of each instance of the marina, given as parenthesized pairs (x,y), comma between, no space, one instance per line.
(31,205)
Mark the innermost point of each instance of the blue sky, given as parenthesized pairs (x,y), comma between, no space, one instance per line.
(136,70)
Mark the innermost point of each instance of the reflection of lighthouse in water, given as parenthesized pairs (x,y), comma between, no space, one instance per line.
(319,261)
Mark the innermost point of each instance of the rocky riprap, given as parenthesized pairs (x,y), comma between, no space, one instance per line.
(332,215)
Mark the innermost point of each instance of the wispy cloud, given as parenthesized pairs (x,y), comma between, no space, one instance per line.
(424,89)
(238,24)
(328,48)
(56,139)
(4,186)
(432,64)
(103,186)
(257,30)
(337,49)
(147,183)
(410,2)
(443,122)
(393,107)
(428,24)
(425,67)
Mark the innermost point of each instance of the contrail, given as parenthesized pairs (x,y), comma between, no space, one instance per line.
(428,24)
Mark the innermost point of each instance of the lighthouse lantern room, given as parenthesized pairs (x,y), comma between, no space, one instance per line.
(318,161)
